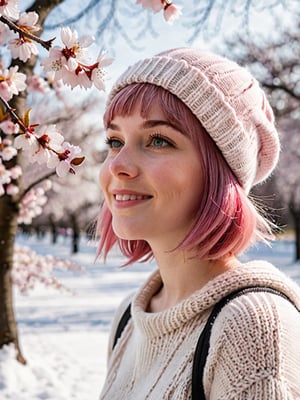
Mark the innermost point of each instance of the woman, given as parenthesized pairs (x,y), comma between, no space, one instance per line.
(189,134)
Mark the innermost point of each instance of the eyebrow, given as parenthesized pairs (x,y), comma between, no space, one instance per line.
(151,123)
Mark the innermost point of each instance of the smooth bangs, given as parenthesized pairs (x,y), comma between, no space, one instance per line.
(227,222)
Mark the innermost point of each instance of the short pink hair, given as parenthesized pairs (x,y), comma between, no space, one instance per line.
(227,222)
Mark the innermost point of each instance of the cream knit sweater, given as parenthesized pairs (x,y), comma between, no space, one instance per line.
(254,348)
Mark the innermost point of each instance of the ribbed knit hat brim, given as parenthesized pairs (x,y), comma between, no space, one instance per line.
(227,101)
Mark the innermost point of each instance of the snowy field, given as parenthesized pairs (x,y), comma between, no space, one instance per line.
(63,334)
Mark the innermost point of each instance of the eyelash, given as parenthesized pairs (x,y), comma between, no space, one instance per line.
(109,140)
(159,136)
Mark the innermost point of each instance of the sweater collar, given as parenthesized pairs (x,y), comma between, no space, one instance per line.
(260,273)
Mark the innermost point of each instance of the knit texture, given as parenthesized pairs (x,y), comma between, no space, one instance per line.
(254,352)
(225,98)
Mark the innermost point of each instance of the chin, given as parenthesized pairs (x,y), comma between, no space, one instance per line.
(127,234)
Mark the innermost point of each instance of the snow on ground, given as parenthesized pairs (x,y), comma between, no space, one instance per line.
(63,334)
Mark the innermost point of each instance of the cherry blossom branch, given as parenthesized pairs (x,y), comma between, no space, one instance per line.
(47,147)
(46,44)
(30,268)
(41,179)
(12,113)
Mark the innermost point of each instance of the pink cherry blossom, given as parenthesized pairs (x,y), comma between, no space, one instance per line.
(11,82)
(31,268)
(40,147)
(8,153)
(2,190)
(29,21)
(50,137)
(4,31)
(31,205)
(63,164)
(63,60)
(49,143)
(71,64)
(171,13)
(27,142)
(12,189)
(98,73)
(53,64)
(4,175)
(46,185)
(23,47)
(8,127)
(170,10)
(37,84)
(154,5)
(80,78)
(9,8)
(7,142)
(15,172)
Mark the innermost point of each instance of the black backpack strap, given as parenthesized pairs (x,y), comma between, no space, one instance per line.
(123,322)
(202,347)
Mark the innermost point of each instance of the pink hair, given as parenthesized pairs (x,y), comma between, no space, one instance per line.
(227,222)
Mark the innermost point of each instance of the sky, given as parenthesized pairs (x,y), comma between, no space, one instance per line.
(264,24)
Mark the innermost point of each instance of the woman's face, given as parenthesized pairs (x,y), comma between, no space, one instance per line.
(152,179)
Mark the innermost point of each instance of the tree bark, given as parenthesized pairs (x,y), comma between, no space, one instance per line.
(53,229)
(8,229)
(75,234)
(9,208)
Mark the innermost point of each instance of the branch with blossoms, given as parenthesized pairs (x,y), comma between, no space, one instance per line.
(69,64)
(31,268)
(32,201)
(44,146)
(23,28)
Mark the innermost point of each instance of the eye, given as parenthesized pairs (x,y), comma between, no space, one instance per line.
(157,140)
(113,143)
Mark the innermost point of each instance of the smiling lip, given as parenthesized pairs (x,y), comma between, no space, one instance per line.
(128,198)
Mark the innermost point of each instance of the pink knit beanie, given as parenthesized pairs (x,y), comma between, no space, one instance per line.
(225,98)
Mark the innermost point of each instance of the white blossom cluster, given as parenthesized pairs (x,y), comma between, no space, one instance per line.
(31,268)
(70,64)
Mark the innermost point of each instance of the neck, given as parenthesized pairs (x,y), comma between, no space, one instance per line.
(183,274)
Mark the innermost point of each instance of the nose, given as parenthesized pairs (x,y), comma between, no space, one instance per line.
(124,164)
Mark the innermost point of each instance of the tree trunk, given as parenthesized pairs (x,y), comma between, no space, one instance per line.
(9,212)
(53,229)
(8,228)
(75,234)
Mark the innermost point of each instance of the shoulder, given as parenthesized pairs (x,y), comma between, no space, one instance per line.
(254,273)
(256,335)
(258,313)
